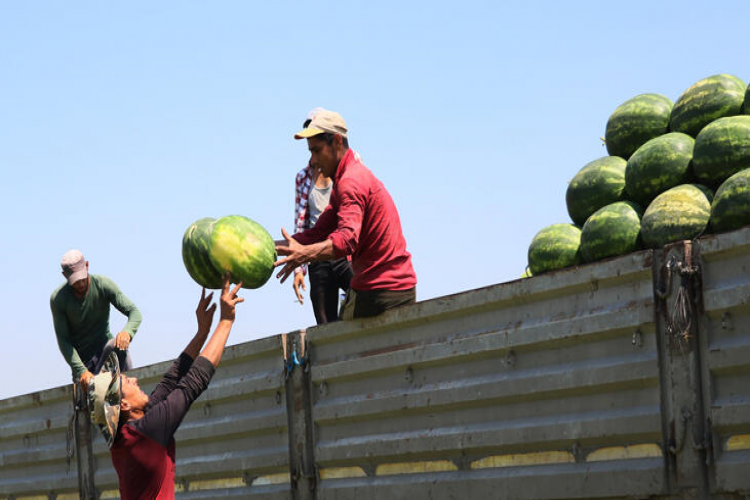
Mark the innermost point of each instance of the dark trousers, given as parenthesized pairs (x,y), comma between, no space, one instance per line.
(365,304)
(326,279)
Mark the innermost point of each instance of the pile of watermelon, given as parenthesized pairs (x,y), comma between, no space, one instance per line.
(211,247)
(674,172)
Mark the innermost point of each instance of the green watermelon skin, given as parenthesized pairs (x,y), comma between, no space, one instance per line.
(244,248)
(195,254)
(746,106)
(731,206)
(554,247)
(635,122)
(707,100)
(597,184)
(660,164)
(680,213)
(722,149)
(611,231)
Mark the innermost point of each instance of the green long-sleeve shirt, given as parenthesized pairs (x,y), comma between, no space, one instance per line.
(82,325)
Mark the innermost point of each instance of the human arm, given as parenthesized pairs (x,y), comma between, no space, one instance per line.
(123,304)
(204,315)
(352,200)
(229,299)
(296,254)
(162,417)
(65,343)
(299,282)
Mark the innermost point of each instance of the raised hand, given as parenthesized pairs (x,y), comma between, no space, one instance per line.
(205,314)
(229,298)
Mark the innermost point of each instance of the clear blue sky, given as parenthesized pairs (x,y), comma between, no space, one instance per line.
(122,123)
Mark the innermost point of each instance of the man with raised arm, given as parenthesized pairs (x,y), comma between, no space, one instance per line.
(140,428)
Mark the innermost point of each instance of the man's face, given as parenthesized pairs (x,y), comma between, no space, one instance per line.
(323,155)
(80,287)
(132,393)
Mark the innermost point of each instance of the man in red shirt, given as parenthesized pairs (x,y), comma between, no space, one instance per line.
(139,428)
(361,221)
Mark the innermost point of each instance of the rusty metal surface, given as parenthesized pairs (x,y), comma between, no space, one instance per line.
(726,351)
(553,377)
(34,456)
(565,385)
(233,442)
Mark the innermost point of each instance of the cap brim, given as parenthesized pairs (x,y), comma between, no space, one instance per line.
(78,276)
(112,398)
(308,132)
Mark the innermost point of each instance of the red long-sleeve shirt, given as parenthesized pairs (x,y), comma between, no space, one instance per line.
(362,221)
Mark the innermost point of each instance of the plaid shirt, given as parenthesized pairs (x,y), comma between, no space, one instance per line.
(303,183)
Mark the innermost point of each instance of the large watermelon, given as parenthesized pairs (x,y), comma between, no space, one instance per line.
(610,231)
(635,122)
(721,149)
(660,164)
(731,206)
(705,101)
(680,213)
(195,254)
(554,247)
(597,184)
(243,247)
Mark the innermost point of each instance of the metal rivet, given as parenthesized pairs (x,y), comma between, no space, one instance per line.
(726,321)
(409,375)
(637,338)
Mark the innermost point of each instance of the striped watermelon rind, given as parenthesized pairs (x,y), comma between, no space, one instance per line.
(243,247)
(554,247)
(707,100)
(635,122)
(722,149)
(195,254)
(660,164)
(597,184)
(746,105)
(680,213)
(731,205)
(611,231)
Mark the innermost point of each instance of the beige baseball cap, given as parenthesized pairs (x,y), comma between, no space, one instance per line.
(324,121)
(74,266)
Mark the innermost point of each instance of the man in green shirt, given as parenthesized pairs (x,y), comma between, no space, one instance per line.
(80,312)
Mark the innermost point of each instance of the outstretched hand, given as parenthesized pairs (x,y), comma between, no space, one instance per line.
(204,313)
(294,252)
(229,298)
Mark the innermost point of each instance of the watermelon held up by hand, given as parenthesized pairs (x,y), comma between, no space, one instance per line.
(195,254)
(244,248)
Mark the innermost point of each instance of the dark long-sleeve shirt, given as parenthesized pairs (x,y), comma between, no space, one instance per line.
(82,325)
(143,452)
(362,221)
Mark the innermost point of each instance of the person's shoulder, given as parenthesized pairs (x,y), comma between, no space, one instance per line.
(59,293)
(302,174)
(101,281)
